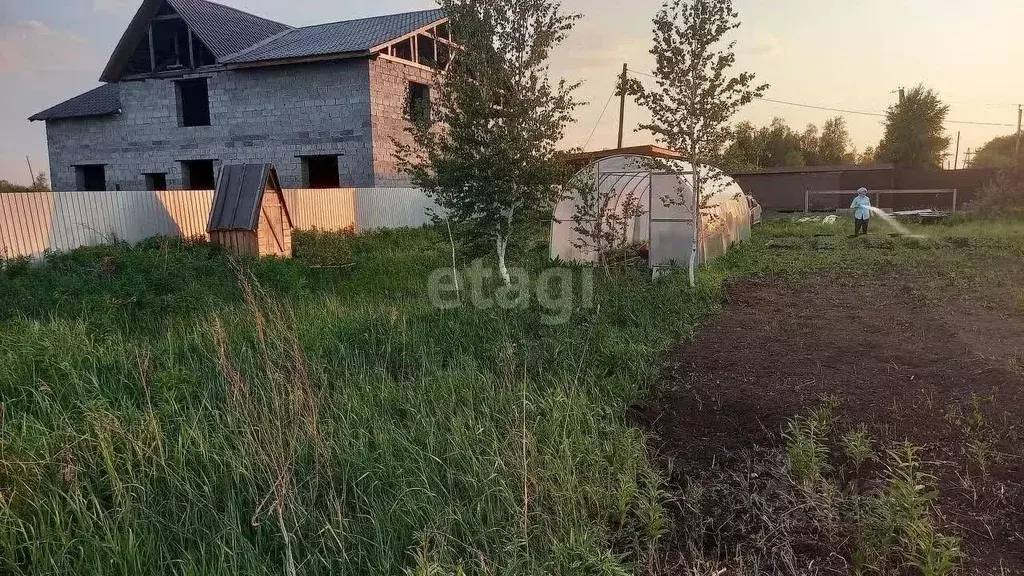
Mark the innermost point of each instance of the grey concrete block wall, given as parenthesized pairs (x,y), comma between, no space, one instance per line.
(351,108)
(389,93)
(260,114)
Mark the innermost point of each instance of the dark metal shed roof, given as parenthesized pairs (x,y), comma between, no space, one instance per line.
(337,37)
(239,195)
(96,102)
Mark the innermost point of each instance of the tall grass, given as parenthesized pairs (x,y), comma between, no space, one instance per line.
(164,413)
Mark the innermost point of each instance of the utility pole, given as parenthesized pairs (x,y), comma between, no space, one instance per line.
(956,155)
(967,158)
(1016,150)
(622,100)
(31,173)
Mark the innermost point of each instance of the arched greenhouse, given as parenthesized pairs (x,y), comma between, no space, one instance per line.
(624,200)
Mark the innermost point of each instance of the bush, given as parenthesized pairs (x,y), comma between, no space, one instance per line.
(1002,197)
(320,248)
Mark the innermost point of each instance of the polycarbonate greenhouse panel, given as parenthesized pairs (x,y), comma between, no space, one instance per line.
(671,243)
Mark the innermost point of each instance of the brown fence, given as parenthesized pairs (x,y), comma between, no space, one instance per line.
(782,190)
(32,223)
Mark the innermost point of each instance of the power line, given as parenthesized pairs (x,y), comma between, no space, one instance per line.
(855,112)
(826,108)
(981,104)
(876,114)
(599,118)
(643,74)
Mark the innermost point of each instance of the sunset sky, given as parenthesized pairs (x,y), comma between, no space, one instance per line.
(817,52)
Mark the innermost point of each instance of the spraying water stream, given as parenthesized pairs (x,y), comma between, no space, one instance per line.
(893,222)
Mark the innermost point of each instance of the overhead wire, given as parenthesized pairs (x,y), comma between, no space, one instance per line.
(599,118)
(844,111)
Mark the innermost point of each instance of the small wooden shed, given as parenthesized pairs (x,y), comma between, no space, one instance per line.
(250,216)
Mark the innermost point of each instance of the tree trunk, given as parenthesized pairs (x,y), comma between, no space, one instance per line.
(502,244)
(696,223)
(455,270)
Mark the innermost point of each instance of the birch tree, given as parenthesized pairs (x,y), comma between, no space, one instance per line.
(486,153)
(698,93)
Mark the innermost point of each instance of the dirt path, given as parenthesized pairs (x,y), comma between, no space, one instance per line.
(942,373)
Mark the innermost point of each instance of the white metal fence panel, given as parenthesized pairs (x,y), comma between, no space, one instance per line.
(33,222)
(392,208)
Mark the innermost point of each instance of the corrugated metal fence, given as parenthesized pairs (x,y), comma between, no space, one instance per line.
(782,190)
(33,222)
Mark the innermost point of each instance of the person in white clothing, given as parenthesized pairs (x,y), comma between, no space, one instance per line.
(861,211)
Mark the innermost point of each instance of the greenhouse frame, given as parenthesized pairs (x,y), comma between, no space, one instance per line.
(622,200)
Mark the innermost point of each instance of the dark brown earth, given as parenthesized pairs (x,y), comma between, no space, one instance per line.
(909,366)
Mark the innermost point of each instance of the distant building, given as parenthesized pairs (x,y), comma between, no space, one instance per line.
(193,85)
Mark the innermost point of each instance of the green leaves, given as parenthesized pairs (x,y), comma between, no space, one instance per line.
(696,96)
(489,160)
(776,145)
(914,136)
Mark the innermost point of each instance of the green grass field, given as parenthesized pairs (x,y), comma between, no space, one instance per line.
(167,412)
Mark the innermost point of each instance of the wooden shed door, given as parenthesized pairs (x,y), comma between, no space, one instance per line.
(273,216)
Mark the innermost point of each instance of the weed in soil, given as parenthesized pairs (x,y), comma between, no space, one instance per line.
(780,511)
(857,446)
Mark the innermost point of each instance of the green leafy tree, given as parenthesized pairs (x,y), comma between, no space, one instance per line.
(1000,152)
(809,144)
(914,135)
(777,145)
(744,151)
(784,146)
(698,94)
(834,144)
(868,156)
(770,146)
(487,151)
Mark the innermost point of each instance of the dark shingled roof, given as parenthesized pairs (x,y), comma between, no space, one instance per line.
(239,195)
(338,37)
(225,30)
(237,37)
(96,102)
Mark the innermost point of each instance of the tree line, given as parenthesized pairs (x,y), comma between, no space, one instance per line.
(39,184)
(777,145)
(913,137)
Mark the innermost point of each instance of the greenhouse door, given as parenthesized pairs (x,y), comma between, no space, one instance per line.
(671,225)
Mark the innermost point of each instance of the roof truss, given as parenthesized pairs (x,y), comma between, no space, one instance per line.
(156,19)
(429,46)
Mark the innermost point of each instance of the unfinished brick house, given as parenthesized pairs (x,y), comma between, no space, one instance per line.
(193,85)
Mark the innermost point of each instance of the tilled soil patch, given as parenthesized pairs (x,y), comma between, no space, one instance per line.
(936,373)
